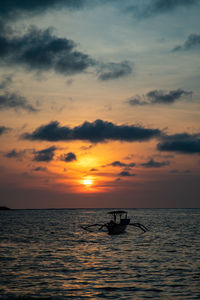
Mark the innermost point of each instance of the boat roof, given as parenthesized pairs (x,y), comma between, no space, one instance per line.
(117,212)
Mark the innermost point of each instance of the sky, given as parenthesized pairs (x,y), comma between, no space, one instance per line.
(100,104)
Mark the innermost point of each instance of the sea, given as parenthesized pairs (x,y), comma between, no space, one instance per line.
(45,254)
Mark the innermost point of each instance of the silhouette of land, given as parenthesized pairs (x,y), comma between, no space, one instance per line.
(4,208)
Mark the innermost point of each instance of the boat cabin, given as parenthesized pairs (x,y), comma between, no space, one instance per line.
(119,217)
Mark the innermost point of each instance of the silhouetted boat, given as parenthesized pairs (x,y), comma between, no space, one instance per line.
(117,224)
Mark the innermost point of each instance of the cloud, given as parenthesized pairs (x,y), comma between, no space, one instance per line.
(3,130)
(14,9)
(70,156)
(40,50)
(166,98)
(94,132)
(126,174)
(121,164)
(181,143)
(153,7)
(175,171)
(155,164)
(137,101)
(117,164)
(167,5)
(10,10)
(129,157)
(93,170)
(85,148)
(45,154)
(6,81)
(14,154)
(40,169)
(159,97)
(15,101)
(112,70)
(192,42)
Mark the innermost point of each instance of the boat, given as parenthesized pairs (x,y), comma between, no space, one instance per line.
(117,225)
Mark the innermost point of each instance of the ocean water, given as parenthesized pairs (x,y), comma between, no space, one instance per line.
(45,254)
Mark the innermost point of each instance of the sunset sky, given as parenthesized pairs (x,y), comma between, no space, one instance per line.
(99,103)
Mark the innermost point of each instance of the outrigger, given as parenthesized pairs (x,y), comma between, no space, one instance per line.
(117,224)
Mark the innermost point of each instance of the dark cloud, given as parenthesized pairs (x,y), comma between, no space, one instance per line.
(41,50)
(153,7)
(14,154)
(97,131)
(14,9)
(45,154)
(159,97)
(117,164)
(70,156)
(181,143)
(93,170)
(10,10)
(167,5)
(192,42)
(40,169)
(166,98)
(137,101)
(155,164)
(111,71)
(15,101)
(3,130)
(126,174)
(6,81)
(121,164)
(175,171)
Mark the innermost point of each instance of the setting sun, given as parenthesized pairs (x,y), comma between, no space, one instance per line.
(87,181)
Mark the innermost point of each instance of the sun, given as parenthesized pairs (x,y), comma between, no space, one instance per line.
(87,182)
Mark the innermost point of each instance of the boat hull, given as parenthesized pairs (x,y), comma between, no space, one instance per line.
(116,228)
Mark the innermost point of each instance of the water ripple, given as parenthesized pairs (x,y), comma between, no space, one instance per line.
(46,255)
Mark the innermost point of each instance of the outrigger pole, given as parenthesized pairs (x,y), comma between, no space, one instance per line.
(116,225)
(144,229)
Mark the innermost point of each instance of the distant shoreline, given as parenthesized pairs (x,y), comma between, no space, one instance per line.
(4,208)
(97,208)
